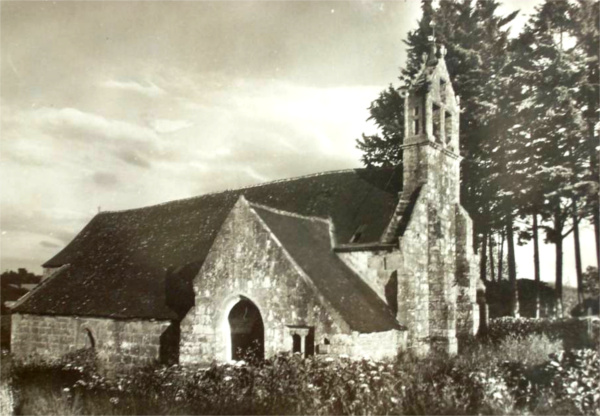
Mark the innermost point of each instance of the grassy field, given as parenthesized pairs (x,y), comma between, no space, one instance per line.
(521,368)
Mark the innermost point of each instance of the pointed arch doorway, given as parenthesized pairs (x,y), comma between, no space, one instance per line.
(246,331)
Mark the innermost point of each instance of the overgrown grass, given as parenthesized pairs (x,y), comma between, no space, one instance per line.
(515,374)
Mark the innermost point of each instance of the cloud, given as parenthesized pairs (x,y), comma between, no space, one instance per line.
(151,90)
(30,237)
(170,126)
(82,134)
(105,179)
(49,244)
(85,126)
(131,157)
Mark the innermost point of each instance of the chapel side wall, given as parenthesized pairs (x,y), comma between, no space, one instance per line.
(246,260)
(118,343)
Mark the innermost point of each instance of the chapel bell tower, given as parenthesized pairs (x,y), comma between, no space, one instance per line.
(431,120)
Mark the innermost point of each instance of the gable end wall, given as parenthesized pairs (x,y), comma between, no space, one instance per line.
(247,260)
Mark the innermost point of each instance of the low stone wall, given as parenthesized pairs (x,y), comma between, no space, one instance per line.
(378,345)
(119,343)
(375,345)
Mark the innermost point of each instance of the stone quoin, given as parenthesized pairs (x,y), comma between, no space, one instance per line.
(363,262)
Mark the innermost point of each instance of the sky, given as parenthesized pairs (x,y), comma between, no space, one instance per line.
(117,105)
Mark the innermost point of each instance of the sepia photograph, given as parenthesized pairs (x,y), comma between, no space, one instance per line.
(296,207)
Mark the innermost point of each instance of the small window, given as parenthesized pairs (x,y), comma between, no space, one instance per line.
(358,234)
(443,90)
(417,126)
(436,119)
(309,344)
(297,343)
(416,110)
(448,127)
(324,347)
(89,340)
(391,293)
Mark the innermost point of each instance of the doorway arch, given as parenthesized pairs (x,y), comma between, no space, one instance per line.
(245,331)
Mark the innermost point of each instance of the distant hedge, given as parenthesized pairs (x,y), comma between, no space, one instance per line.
(498,299)
(572,331)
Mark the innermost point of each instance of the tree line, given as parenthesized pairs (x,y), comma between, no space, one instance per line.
(529,125)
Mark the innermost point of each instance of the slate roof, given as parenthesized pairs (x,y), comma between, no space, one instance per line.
(120,260)
(309,243)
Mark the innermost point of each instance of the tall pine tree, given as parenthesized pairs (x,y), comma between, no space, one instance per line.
(551,74)
(476,39)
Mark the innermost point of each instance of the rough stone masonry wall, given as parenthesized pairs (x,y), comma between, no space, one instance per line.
(441,196)
(378,345)
(375,345)
(375,267)
(467,276)
(413,282)
(246,260)
(118,343)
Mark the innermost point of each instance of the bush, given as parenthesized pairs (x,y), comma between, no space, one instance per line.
(511,376)
(529,350)
(572,331)
(576,379)
(285,384)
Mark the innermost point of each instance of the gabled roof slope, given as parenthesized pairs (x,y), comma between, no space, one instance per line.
(120,260)
(114,291)
(309,244)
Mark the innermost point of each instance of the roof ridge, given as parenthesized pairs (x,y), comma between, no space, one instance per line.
(289,213)
(310,175)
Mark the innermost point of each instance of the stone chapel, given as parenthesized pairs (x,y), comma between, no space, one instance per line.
(363,262)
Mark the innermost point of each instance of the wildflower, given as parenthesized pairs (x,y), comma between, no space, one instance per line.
(240,363)
(329,359)
(394,400)
(114,400)
(66,389)
(227,378)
